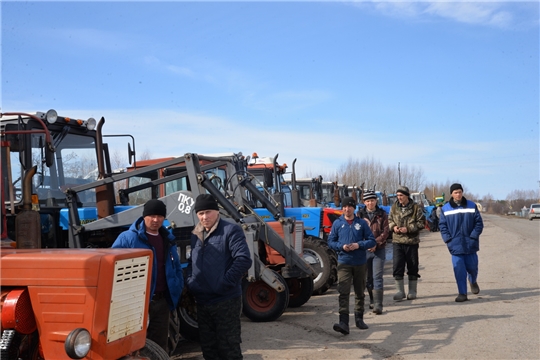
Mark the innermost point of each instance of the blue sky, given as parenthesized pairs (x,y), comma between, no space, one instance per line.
(451,87)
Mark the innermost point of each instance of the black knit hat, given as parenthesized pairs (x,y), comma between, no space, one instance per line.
(370,195)
(404,190)
(455,186)
(154,207)
(205,202)
(348,201)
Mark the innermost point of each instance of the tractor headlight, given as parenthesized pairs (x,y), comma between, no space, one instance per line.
(91,124)
(51,116)
(78,343)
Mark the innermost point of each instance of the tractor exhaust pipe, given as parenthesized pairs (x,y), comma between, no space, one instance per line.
(28,222)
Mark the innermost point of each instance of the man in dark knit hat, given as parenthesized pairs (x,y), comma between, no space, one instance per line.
(219,259)
(461,225)
(377,220)
(405,220)
(148,232)
(350,237)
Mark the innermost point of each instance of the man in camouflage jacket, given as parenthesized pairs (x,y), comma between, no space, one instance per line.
(405,220)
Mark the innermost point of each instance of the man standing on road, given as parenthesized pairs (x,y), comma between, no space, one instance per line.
(350,237)
(406,219)
(219,258)
(148,232)
(376,256)
(461,225)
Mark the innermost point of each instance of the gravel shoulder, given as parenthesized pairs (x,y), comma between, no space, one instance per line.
(501,322)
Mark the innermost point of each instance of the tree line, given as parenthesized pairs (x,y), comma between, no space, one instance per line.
(377,176)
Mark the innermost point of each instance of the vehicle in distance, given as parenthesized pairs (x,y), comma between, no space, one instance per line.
(534,211)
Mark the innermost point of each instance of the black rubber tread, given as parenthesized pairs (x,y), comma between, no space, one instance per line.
(153,351)
(300,291)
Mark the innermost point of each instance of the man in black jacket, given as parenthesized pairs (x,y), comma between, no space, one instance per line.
(219,259)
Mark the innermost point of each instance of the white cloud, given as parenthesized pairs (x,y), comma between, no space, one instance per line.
(483,12)
(471,12)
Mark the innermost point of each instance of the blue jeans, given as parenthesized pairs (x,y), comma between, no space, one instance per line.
(375,267)
(465,266)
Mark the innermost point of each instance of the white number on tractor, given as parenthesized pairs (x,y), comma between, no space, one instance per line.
(185,203)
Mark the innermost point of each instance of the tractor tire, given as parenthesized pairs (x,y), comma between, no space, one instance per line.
(323,260)
(300,290)
(174,331)
(153,351)
(334,277)
(187,314)
(261,303)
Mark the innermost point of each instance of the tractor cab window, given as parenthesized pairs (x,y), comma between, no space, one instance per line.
(304,190)
(140,197)
(74,163)
(217,176)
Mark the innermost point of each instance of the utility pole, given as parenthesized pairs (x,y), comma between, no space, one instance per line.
(399,174)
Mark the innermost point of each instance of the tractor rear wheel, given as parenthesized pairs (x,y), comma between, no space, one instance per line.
(174,331)
(323,260)
(300,290)
(260,302)
(187,313)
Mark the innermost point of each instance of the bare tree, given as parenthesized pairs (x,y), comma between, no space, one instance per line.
(519,199)
(118,161)
(376,176)
(146,155)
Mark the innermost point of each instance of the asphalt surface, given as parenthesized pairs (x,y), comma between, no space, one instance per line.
(501,322)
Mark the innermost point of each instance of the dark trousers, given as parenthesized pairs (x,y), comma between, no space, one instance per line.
(405,255)
(158,328)
(347,275)
(219,329)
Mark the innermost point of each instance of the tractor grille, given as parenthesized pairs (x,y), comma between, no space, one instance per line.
(126,314)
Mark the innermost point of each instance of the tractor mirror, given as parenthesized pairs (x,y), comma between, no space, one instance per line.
(49,155)
(131,154)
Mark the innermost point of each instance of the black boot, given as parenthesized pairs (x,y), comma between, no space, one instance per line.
(343,325)
(370,292)
(359,319)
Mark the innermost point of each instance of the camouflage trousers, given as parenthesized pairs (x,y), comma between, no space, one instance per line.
(351,275)
(219,329)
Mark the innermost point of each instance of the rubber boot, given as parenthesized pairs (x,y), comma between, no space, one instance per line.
(378,295)
(343,325)
(400,295)
(413,282)
(359,319)
(370,292)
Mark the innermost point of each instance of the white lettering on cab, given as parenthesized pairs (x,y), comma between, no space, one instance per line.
(185,203)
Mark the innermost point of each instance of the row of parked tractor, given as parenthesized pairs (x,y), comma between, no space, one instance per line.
(58,225)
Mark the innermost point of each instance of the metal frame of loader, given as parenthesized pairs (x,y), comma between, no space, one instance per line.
(273,185)
(265,290)
(300,289)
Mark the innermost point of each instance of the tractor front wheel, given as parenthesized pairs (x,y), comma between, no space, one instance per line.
(323,260)
(153,351)
(261,303)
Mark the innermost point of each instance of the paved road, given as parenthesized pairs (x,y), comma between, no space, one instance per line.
(502,322)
